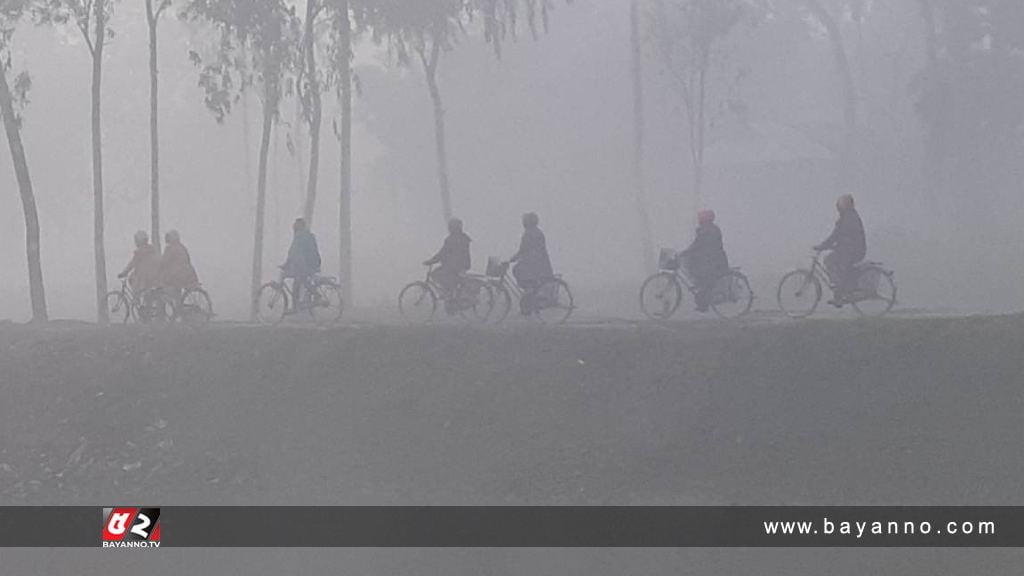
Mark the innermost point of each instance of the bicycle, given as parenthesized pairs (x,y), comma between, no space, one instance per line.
(551,301)
(322,299)
(473,299)
(145,307)
(662,293)
(192,306)
(800,291)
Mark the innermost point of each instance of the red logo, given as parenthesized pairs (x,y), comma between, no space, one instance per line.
(133,527)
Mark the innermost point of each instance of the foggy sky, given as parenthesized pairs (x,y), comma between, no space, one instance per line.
(547,129)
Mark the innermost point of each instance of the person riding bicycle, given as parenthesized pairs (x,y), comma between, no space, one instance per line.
(532,263)
(143,271)
(454,258)
(303,258)
(176,271)
(848,247)
(705,259)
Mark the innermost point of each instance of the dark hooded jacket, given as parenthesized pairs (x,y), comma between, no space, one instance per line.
(847,239)
(144,267)
(176,270)
(303,256)
(532,261)
(454,254)
(705,258)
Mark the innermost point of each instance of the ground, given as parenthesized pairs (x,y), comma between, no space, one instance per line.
(894,411)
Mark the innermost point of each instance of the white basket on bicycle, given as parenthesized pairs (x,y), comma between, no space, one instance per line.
(668,259)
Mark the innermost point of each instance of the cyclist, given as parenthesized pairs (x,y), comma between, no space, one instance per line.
(532,263)
(454,258)
(176,271)
(705,259)
(143,271)
(848,247)
(303,258)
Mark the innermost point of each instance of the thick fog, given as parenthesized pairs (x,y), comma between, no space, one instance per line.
(546,128)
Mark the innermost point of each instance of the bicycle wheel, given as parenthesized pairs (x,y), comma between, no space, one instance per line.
(502,303)
(660,296)
(799,293)
(553,302)
(118,309)
(195,309)
(731,296)
(417,303)
(875,294)
(327,304)
(271,303)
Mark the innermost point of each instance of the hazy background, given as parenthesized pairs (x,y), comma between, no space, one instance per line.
(548,128)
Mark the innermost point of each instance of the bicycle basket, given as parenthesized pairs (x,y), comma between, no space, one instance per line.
(495,267)
(668,259)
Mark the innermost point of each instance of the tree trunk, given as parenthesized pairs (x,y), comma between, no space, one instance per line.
(430,68)
(848,87)
(936,167)
(639,188)
(269,104)
(345,200)
(154,133)
(316,113)
(247,140)
(97,164)
(698,153)
(28,201)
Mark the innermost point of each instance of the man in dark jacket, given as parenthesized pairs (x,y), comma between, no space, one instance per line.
(176,271)
(143,271)
(848,247)
(303,258)
(454,258)
(705,259)
(532,263)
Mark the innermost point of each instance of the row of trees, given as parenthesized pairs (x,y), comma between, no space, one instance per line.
(969,90)
(275,49)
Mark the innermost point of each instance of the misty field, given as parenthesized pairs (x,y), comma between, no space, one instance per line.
(893,412)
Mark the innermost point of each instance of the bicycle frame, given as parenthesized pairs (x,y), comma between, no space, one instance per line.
(440,292)
(128,292)
(134,299)
(310,282)
(513,287)
(819,271)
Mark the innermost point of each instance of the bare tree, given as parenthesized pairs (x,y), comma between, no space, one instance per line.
(310,87)
(342,62)
(687,35)
(90,17)
(10,14)
(256,47)
(415,29)
(154,10)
